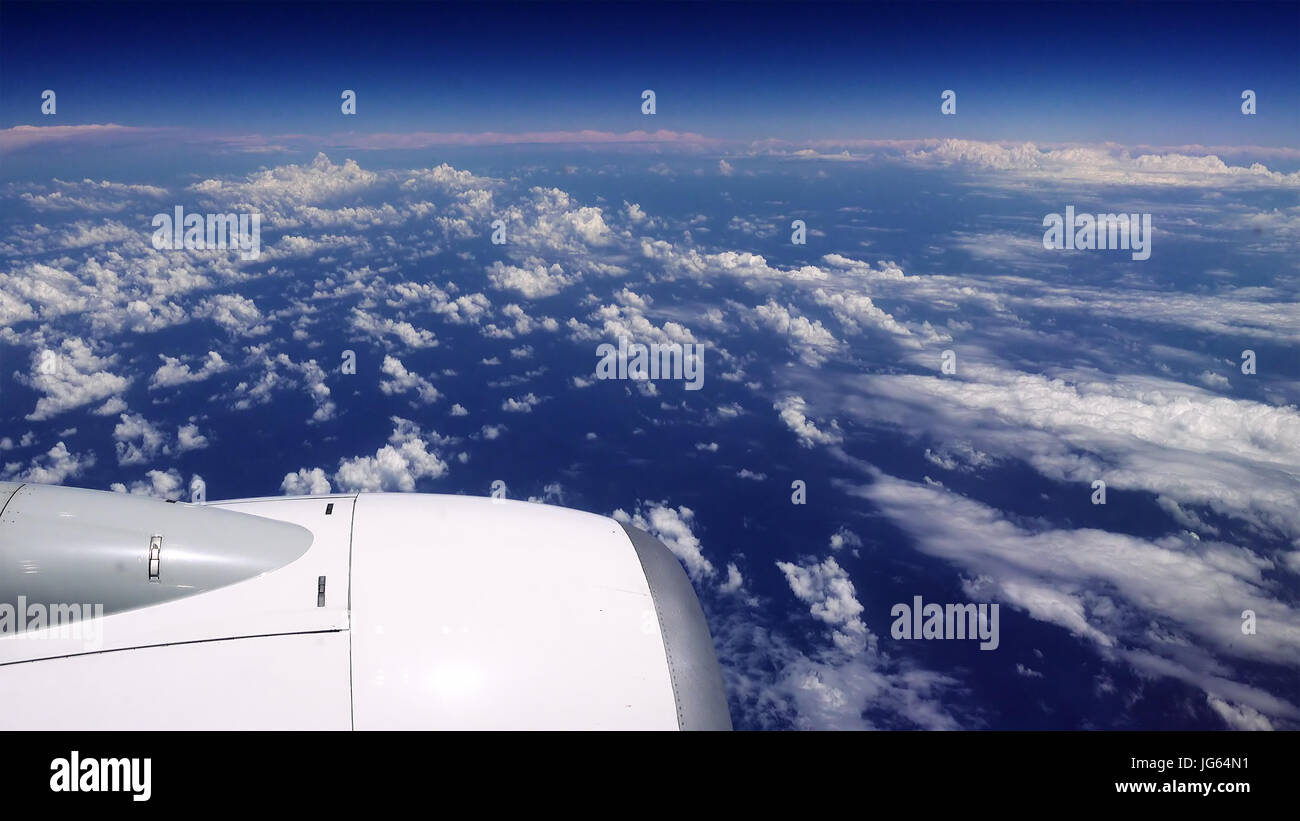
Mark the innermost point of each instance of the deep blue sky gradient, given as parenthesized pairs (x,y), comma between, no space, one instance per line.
(1164,74)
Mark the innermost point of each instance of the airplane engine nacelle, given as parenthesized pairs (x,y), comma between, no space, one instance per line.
(358,611)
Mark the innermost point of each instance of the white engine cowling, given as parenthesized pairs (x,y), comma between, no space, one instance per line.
(362,611)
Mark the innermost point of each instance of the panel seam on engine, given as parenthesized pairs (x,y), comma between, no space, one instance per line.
(173,644)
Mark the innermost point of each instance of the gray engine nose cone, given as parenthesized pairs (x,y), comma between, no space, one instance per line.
(67,545)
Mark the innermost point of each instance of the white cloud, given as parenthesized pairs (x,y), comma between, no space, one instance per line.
(735,581)
(283,193)
(88,196)
(1239,457)
(158,484)
(634,212)
(855,311)
(628,321)
(829,592)
(403,380)
(306,482)
(1097,585)
(1098,165)
(793,410)
(552,494)
(137,440)
(1239,717)
(808,338)
(238,314)
(273,378)
(673,527)
(523,404)
(174,372)
(50,468)
(409,456)
(533,282)
(382,327)
(843,538)
(189,438)
(70,376)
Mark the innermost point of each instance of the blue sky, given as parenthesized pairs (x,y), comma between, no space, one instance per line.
(1134,73)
